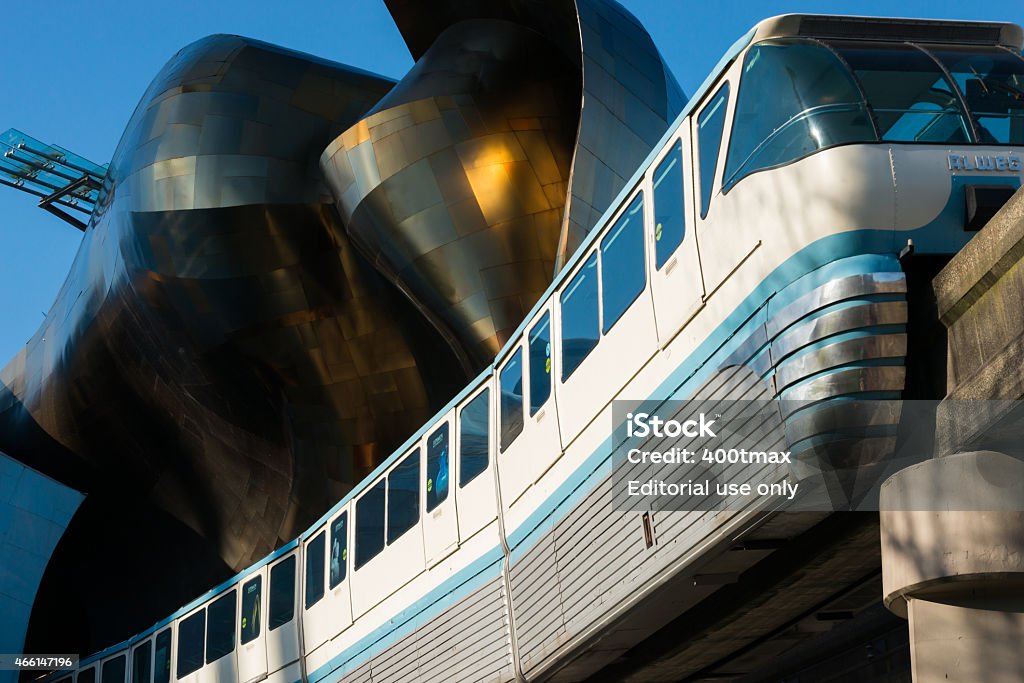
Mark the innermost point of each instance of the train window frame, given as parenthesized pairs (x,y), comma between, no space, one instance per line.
(188,665)
(227,623)
(675,156)
(634,209)
(146,660)
(397,526)
(583,275)
(157,646)
(510,421)
(275,597)
(339,540)
(313,584)
(538,344)
(363,511)
(444,466)
(246,631)
(122,659)
(721,99)
(89,675)
(483,396)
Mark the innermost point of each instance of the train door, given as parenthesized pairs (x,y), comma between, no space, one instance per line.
(221,639)
(282,628)
(529,441)
(327,601)
(440,521)
(674,264)
(252,643)
(142,662)
(474,445)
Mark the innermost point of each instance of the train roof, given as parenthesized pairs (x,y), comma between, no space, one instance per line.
(891,29)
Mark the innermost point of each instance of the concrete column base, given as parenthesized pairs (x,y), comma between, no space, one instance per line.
(953,564)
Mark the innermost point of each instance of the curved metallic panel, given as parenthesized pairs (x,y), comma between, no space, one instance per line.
(850,381)
(472,182)
(836,322)
(219,348)
(836,291)
(842,353)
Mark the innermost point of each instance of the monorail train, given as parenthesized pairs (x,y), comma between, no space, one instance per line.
(756,253)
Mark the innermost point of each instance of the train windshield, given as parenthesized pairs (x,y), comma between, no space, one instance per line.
(798,96)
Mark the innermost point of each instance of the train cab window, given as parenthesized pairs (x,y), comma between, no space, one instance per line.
(623,268)
(191,637)
(474,437)
(315,570)
(140,662)
(910,96)
(370,523)
(220,627)
(162,657)
(580,324)
(281,599)
(339,549)
(539,344)
(250,626)
(437,467)
(992,82)
(795,97)
(510,384)
(114,670)
(710,125)
(669,211)
(404,496)
(87,676)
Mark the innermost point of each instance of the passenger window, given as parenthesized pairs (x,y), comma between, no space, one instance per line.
(251,593)
(370,524)
(474,435)
(623,271)
(912,99)
(87,676)
(510,382)
(114,669)
(220,628)
(191,635)
(281,601)
(540,363)
(580,326)
(669,212)
(437,467)
(404,496)
(339,549)
(162,657)
(315,570)
(710,125)
(140,662)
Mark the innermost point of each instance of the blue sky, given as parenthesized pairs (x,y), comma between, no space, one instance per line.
(72,75)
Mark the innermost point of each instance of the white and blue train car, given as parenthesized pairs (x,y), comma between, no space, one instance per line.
(755,254)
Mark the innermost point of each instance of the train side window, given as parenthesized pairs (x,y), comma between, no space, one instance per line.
(339,549)
(220,628)
(404,496)
(370,523)
(87,676)
(669,211)
(251,593)
(580,324)
(281,599)
(710,125)
(623,271)
(140,662)
(540,363)
(991,80)
(114,670)
(437,467)
(191,636)
(315,569)
(510,383)
(474,437)
(162,657)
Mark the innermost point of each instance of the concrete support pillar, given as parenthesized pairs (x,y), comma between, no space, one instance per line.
(953,564)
